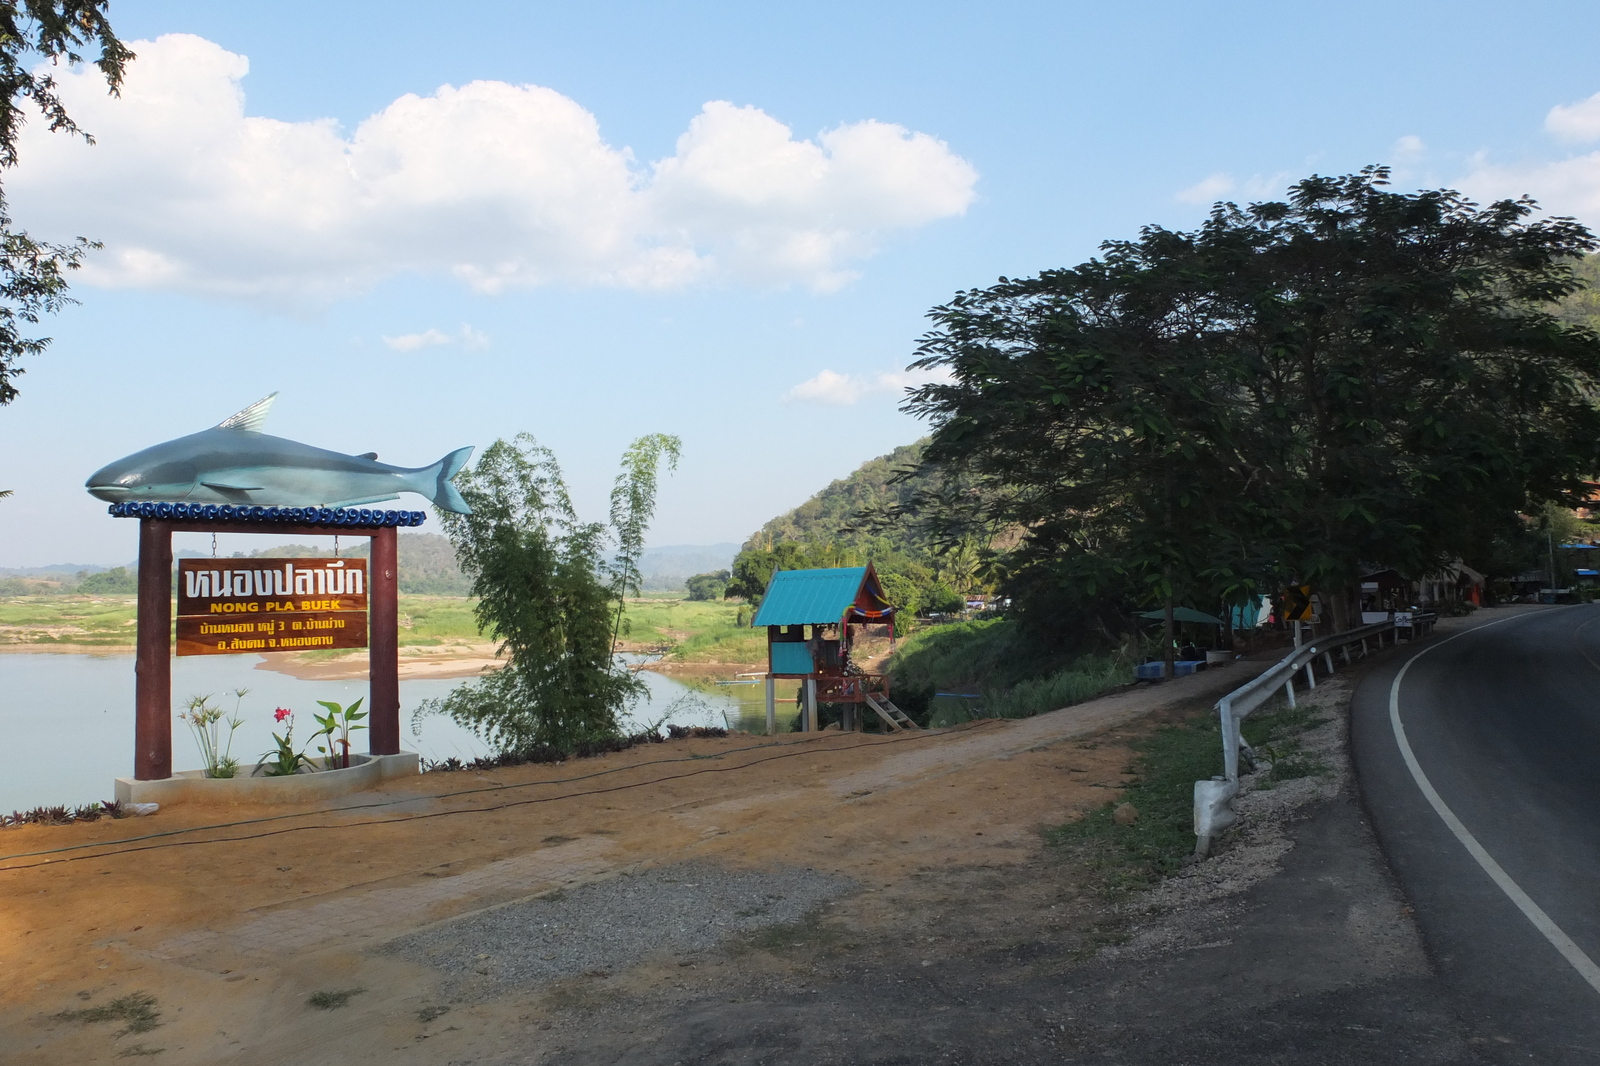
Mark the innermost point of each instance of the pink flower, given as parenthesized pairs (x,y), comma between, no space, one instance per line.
(281,713)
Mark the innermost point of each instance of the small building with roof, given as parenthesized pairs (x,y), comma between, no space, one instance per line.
(808,616)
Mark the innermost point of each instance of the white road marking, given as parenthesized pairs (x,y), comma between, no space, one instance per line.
(1574,955)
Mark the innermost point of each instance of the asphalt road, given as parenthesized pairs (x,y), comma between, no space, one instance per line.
(1503,724)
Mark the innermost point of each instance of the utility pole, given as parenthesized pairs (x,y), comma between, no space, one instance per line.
(1550,542)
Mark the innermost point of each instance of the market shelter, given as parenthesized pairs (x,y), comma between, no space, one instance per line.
(811,617)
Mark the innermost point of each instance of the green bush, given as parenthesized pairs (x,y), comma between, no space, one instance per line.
(708,586)
(991,660)
(120,581)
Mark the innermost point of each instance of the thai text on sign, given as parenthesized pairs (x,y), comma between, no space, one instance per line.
(213,586)
(234,607)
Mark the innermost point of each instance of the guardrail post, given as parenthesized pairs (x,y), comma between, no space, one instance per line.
(1230,741)
(1311,675)
(1288,690)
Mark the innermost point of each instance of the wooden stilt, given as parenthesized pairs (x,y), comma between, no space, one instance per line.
(772,707)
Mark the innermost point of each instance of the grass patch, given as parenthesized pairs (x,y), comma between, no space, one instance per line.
(332,1000)
(137,1009)
(1275,737)
(1086,678)
(429,1013)
(990,672)
(1166,764)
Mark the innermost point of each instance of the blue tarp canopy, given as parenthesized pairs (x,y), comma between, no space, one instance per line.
(821,597)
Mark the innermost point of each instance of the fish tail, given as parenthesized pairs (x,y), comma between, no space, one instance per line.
(445,495)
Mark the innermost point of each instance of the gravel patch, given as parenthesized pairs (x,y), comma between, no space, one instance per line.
(606,926)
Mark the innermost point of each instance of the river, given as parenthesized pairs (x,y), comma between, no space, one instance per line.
(67,720)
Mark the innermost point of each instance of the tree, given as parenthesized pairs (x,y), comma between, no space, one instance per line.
(1291,392)
(546,593)
(633,502)
(708,586)
(753,568)
(33,273)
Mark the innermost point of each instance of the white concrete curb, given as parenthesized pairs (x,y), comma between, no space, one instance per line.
(191,786)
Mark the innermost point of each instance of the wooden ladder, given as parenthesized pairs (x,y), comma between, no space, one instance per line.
(892,716)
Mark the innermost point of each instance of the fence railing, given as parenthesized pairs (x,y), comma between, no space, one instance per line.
(852,688)
(1213,799)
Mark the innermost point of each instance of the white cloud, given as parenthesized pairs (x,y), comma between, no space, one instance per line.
(1221,185)
(1409,148)
(500,185)
(1208,191)
(843,390)
(1575,122)
(1566,187)
(468,338)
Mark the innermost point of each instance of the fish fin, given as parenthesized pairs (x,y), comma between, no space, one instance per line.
(252,418)
(361,500)
(231,493)
(444,495)
(368,455)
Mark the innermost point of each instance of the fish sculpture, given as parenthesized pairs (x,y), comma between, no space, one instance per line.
(235,463)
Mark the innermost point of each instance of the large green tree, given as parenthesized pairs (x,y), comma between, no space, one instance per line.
(1292,392)
(35,36)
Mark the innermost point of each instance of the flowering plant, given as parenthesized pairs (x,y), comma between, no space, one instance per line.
(339,720)
(205,724)
(284,761)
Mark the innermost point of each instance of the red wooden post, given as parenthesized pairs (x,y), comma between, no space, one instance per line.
(383,662)
(152,664)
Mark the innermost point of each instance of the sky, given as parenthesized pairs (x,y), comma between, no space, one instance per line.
(429,227)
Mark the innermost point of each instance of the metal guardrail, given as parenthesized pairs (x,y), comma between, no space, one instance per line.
(1239,704)
(1213,810)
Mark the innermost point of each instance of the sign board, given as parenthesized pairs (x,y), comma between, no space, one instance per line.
(255,606)
(1297,604)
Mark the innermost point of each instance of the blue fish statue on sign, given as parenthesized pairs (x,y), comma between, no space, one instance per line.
(235,463)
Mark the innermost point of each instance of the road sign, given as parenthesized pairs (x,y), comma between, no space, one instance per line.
(256,606)
(1297,604)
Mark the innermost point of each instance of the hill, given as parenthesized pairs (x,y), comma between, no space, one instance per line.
(671,565)
(834,515)
(836,528)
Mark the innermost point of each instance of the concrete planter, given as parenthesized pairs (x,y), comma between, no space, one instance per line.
(193,787)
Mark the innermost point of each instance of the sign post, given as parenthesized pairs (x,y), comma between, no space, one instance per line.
(325,619)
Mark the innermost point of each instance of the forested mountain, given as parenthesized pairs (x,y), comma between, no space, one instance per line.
(834,514)
(1582,308)
(848,524)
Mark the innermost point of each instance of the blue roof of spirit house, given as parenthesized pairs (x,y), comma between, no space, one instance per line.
(821,597)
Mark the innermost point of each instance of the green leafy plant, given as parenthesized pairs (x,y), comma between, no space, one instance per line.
(205,723)
(284,760)
(341,720)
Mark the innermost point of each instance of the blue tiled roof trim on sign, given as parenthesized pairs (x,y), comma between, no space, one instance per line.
(300,516)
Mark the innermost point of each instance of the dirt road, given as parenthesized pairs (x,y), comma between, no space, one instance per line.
(498,917)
